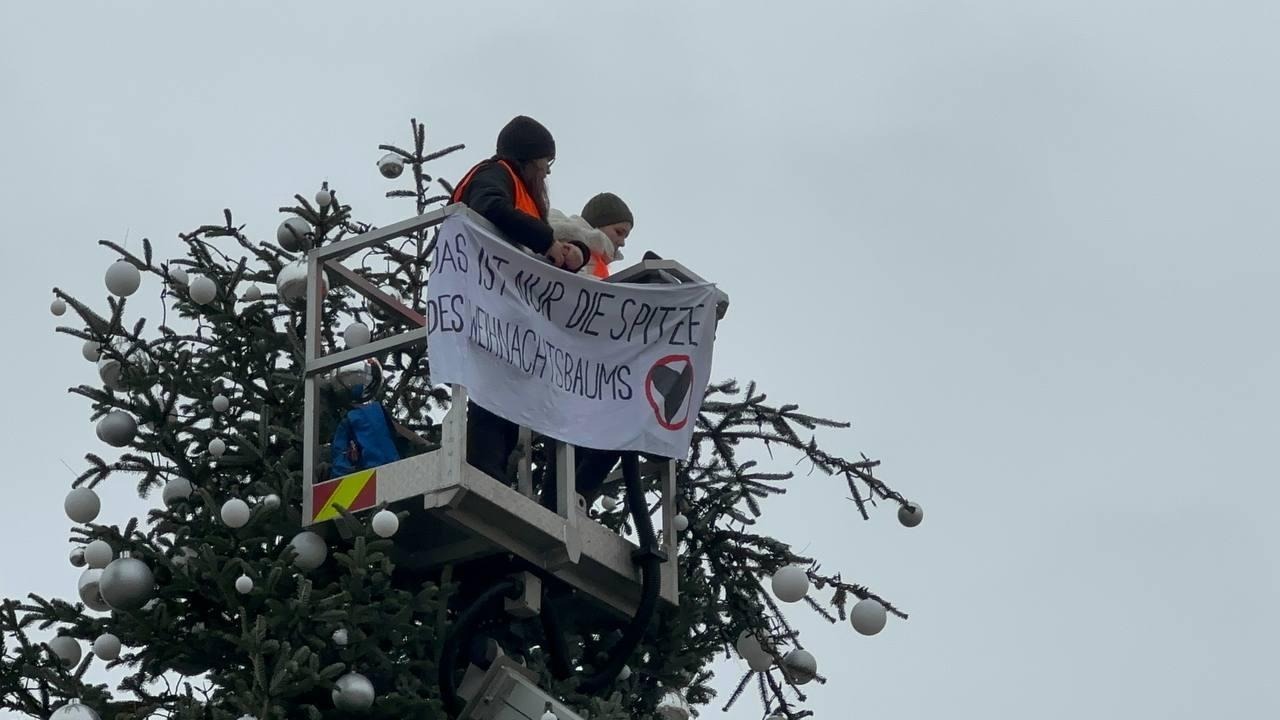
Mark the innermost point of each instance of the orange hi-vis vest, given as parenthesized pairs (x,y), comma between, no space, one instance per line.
(524,201)
(599,265)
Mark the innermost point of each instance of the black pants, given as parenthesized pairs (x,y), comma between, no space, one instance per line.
(492,439)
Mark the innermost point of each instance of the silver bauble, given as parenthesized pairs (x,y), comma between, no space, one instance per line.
(356,334)
(292,234)
(681,523)
(609,503)
(800,666)
(127,584)
(353,693)
(868,616)
(117,428)
(221,403)
(176,490)
(82,505)
(385,523)
(390,165)
(91,350)
(58,307)
(77,558)
(90,590)
(748,645)
(244,584)
(178,276)
(323,197)
(109,369)
(791,584)
(549,715)
(310,548)
(291,283)
(271,502)
(74,711)
(625,673)
(911,517)
(202,290)
(98,554)
(123,278)
(217,447)
(107,647)
(340,637)
(235,513)
(67,649)
(761,662)
(673,706)
(253,293)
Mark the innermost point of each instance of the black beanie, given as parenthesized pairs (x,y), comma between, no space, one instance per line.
(606,209)
(525,139)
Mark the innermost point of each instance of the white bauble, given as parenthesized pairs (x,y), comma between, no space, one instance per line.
(123,278)
(291,283)
(609,503)
(673,706)
(357,334)
(91,350)
(292,234)
(202,290)
(74,711)
(235,513)
(911,517)
(107,647)
(178,276)
(353,693)
(58,307)
(127,584)
(82,505)
(548,715)
(791,584)
(625,673)
(98,554)
(385,523)
(681,523)
(801,666)
(323,197)
(244,584)
(390,165)
(67,649)
(77,558)
(868,616)
(89,588)
(221,403)
(253,293)
(117,428)
(176,490)
(217,447)
(340,637)
(310,548)
(271,502)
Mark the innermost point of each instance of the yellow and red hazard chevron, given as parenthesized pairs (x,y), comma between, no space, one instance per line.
(355,492)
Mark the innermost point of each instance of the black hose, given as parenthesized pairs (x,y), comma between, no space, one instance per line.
(462,630)
(557,649)
(650,560)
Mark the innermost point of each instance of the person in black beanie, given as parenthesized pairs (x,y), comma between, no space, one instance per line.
(510,191)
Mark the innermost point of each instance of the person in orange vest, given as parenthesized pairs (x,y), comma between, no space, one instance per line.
(603,226)
(510,191)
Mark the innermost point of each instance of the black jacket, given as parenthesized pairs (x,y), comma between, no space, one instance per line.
(492,194)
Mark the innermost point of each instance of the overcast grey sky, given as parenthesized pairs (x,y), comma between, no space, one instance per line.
(1028,248)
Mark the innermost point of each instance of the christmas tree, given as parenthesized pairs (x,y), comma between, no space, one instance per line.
(219,605)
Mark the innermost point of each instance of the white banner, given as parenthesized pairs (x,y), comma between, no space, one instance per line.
(600,365)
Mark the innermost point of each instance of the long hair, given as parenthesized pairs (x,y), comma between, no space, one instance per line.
(536,184)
